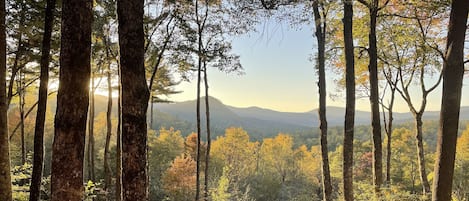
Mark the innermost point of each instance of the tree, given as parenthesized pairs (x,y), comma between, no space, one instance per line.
(36,179)
(320,23)
(236,152)
(90,153)
(5,178)
(391,82)
(163,149)
(373,7)
(72,101)
(134,100)
(453,71)
(179,179)
(350,101)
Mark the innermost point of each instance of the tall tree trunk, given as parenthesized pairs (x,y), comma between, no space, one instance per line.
(374,101)
(135,96)
(107,167)
(90,148)
(5,177)
(389,125)
(209,140)
(453,72)
(20,89)
(119,146)
(200,28)
(350,101)
(72,101)
(374,96)
(197,190)
(38,159)
(321,39)
(421,153)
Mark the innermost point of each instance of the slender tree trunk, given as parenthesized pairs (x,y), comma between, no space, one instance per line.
(350,101)
(135,96)
(119,146)
(72,101)
(209,140)
(197,192)
(453,72)
(374,97)
(5,178)
(20,90)
(421,153)
(374,100)
(321,39)
(38,159)
(389,136)
(107,167)
(90,148)
(199,78)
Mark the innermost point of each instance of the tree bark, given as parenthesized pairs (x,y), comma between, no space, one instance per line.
(107,167)
(200,27)
(135,95)
(38,159)
(72,101)
(90,148)
(421,153)
(453,72)
(5,177)
(209,140)
(350,101)
(374,100)
(20,90)
(321,39)
(389,126)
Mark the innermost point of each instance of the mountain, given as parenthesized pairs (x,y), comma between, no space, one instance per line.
(266,122)
(222,117)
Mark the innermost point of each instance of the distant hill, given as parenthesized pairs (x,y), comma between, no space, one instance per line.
(266,122)
(221,116)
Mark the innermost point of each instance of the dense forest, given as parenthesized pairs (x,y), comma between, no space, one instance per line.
(86,110)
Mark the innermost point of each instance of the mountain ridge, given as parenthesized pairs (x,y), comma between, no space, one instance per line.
(264,121)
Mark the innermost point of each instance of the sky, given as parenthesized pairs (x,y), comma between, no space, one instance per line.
(279,76)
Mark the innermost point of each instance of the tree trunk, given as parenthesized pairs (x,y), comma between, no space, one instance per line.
(199,77)
(90,148)
(421,153)
(209,140)
(38,159)
(389,136)
(374,100)
(5,178)
(453,72)
(135,96)
(350,102)
(119,146)
(321,39)
(107,168)
(20,90)
(72,101)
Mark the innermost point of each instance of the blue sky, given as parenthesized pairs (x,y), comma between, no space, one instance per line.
(279,76)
